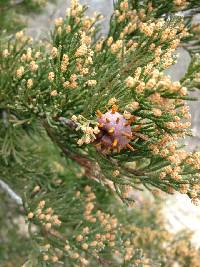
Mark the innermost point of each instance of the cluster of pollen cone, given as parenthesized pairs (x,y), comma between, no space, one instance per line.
(115,131)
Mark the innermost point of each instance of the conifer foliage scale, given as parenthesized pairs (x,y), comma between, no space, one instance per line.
(87,119)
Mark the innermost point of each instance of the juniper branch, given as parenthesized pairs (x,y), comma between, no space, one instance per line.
(81,160)
(67,122)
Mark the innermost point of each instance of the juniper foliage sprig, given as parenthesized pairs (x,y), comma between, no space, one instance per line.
(78,75)
(55,94)
(78,228)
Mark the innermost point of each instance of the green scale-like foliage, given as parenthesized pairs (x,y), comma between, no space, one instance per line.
(42,87)
(51,97)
